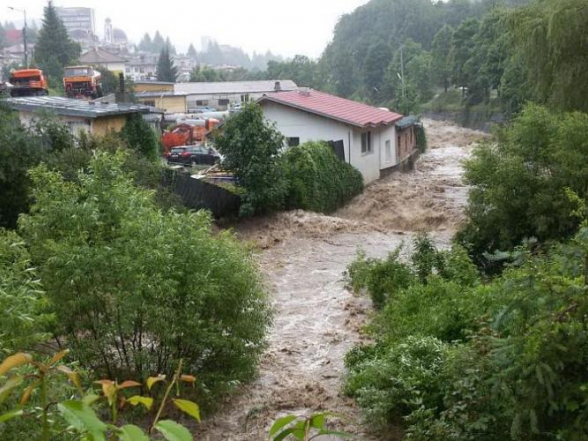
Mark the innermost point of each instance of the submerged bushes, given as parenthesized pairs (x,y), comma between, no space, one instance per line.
(459,358)
(317,179)
(134,289)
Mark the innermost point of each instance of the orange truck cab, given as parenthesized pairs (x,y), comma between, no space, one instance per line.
(82,81)
(28,82)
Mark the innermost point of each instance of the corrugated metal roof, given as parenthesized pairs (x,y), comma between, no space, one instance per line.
(407,121)
(72,107)
(334,107)
(97,55)
(233,87)
(156,94)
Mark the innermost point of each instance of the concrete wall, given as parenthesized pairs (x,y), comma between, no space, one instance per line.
(77,124)
(293,123)
(213,99)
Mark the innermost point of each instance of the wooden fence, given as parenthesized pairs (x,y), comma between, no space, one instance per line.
(198,194)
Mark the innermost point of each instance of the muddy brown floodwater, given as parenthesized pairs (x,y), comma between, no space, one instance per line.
(317,320)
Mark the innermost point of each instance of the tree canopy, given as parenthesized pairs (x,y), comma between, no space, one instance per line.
(165,69)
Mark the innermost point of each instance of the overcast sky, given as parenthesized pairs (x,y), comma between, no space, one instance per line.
(286,27)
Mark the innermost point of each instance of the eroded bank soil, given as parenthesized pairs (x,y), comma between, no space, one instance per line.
(317,320)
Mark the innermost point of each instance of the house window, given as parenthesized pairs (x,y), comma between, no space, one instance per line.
(388,151)
(293,142)
(149,103)
(366,143)
(202,102)
(244,98)
(223,102)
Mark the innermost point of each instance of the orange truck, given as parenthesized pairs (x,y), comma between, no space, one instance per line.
(82,82)
(187,134)
(28,82)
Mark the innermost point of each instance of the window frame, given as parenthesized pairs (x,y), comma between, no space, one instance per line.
(367,147)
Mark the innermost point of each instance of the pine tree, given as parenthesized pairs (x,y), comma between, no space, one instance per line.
(53,41)
(2,37)
(192,51)
(146,44)
(170,47)
(166,71)
(158,42)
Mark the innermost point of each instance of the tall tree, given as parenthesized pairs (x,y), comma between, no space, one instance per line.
(166,71)
(551,38)
(192,51)
(158,42)
(2,37)
(170,46)
(463,51)
(146,44)
(441,52)
(374,70)
(54,47)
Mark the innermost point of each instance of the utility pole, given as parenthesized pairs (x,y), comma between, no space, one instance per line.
(24,34)
(401,74)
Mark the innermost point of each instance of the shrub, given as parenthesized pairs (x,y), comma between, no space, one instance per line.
(134,288)
(251,147)
(520,181)
(401,378)
(318,180)
(21,297)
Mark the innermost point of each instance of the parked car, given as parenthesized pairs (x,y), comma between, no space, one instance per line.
(193,155)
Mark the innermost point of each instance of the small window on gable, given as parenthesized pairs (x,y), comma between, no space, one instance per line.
(293,142)
(366,143)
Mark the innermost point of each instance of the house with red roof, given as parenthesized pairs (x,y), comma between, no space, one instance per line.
(367,135)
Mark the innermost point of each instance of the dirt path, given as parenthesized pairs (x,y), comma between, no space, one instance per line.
(316,319)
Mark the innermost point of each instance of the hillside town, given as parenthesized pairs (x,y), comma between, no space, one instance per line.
(352,219)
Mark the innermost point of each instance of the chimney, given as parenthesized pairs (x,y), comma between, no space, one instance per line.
(304,91)
(278,87)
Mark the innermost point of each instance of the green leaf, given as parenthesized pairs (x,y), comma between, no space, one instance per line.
(188,407)
(132,433)
(318,421)
(12,414)
(281,423)
(295,431)
(138,399)
(335,433)
(173,431)
(90,399)
(9,386)
(83,418)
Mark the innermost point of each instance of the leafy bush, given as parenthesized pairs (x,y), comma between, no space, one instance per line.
(401,378)
(515,355)
(251,147)
(520,181)
(21,296)
(134,288)
(317,179)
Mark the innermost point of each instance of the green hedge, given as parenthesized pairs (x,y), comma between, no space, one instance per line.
(317,179)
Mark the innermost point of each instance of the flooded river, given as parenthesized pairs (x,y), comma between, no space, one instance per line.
(317,320)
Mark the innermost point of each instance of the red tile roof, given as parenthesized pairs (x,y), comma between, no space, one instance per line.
(333,107)
(13,36)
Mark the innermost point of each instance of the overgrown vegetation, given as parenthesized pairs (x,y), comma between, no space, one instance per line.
(140,282)
(456,357)
(317,179)
(521,182)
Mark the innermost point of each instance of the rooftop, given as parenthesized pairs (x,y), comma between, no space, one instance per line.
(333,107)
(97,55)
(72,107)
(233,87)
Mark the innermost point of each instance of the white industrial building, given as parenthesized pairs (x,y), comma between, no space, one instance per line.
(222,95)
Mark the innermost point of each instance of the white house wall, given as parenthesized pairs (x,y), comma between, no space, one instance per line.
(293,123)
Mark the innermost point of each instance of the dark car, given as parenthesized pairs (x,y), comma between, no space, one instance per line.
(193,155)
